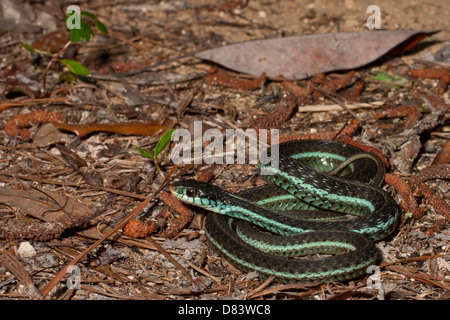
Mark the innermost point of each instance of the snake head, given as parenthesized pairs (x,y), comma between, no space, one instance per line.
(198,193)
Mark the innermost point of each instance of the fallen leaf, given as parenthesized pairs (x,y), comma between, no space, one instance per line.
(50,206)
(48,134)
(443,156)
(15,125)
(73,159)
(44,205)
(303,56)
(52,42)
(147,128)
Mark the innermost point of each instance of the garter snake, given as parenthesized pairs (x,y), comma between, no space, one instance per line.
(312,176)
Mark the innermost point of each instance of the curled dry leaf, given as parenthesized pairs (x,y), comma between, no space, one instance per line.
(147,128)
(412,114)
(443,74)
(15,126)
(304,56)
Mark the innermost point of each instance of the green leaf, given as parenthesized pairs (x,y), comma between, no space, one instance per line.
(100,26)
(160,146)
(385,77)
(32,49)
(75,35)
(84,32)
(89,14)
(28,47)
(145,153)
(87,31)
(75,67)
(163,142)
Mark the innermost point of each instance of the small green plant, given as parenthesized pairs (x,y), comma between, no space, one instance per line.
(160,146)
(390,79)
(81,31)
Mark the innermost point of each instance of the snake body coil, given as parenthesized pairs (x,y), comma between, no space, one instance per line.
(313,176)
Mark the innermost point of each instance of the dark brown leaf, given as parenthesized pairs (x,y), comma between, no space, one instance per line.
(443,156)
(71,157)
(148,128)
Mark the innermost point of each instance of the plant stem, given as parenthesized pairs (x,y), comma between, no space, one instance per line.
(53,59)
(158,168)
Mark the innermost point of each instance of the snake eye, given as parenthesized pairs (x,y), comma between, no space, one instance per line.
(191,192)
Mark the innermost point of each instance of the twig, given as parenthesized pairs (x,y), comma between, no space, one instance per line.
(413,259)
(200,270)
(4,105)
(16,268)
(422,277)
(337,107)
(335,100)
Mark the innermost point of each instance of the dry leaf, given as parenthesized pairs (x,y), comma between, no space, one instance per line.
(304,56)
(44,205)
(48,134)
(148,128)
(443,156)
(51,207)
